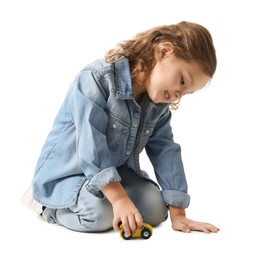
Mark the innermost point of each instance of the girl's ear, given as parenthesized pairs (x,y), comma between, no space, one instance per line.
(163,49)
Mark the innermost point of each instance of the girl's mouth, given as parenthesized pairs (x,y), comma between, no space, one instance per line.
(166,95)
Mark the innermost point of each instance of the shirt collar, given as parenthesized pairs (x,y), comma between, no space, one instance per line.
(124,88)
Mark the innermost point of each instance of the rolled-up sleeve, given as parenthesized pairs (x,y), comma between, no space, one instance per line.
(176,198)
(165,156)
(101,179)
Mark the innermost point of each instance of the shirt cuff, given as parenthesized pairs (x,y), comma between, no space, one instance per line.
(176,198)
(101,179)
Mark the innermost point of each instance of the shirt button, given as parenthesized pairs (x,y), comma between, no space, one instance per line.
(127,152)
(134,125)
(114,125)
(147,132)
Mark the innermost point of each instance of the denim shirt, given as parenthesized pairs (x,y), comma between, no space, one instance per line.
(100,127)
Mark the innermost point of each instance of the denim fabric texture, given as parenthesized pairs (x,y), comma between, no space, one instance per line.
(100,127)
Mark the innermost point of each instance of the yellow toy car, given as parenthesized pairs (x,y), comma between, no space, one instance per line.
(145,232)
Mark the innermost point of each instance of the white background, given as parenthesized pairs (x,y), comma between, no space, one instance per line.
(44,44)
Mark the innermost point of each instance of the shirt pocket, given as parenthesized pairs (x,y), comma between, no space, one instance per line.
(117,132)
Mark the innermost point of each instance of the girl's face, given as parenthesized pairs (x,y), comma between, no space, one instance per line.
(172,78)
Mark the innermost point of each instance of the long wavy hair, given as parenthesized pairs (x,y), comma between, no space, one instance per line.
(191,42)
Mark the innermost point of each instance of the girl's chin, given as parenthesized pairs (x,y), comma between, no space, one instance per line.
(155,100)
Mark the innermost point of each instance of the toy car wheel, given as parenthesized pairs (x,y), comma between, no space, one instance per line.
(125,236)
(145,233)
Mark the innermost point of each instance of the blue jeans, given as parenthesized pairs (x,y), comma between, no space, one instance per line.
(91,214)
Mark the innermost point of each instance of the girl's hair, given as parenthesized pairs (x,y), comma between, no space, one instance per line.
(191,42)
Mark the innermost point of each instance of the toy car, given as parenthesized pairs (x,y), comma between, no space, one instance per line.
(145,232)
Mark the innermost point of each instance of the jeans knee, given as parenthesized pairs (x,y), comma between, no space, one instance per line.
(154,213)
(151,205)
(96,221)
(102,221)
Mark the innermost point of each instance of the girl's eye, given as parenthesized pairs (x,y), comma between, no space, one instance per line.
(182,81)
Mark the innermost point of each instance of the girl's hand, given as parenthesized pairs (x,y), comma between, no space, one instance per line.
(181,223)
(126,213)
(124,210)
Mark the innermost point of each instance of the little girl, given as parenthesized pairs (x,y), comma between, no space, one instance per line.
(88,176)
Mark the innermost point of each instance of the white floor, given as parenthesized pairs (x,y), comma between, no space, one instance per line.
(26,236)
